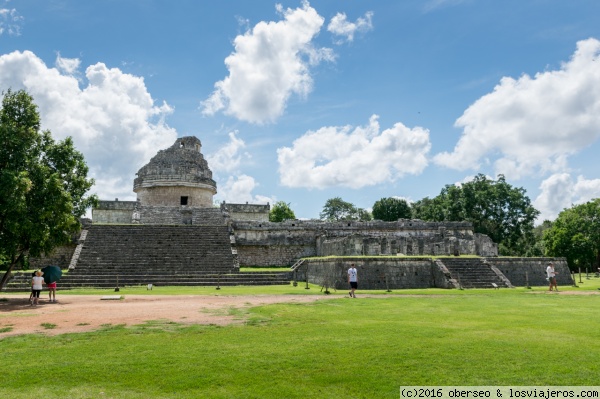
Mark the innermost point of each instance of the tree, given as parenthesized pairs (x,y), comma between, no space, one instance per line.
(391,209)
(336,209)
(538,249)
(364,215)
(281,211)
(42,185)
(495,208)
(575,234)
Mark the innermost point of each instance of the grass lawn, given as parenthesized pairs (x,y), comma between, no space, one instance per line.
(333,348)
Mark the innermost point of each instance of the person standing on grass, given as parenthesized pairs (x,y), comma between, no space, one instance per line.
(551,276)
(36,287)
(51,291)
(352,280)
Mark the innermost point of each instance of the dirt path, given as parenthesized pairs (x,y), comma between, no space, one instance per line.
(80,313)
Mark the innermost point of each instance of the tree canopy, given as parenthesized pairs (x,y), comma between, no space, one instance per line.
(575,234)
(391,209)
(281,211)
(337,209)
(495,208)
(43,184)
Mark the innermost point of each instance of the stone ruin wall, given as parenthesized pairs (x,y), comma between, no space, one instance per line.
(60,256)
(278,244)
(384,273)
(273,244)
(514,268)
(167,215)
(374,273)
(409,244)
(114,212)
(247,212)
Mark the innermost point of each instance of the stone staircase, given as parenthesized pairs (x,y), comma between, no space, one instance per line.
(474,273)
(175,255)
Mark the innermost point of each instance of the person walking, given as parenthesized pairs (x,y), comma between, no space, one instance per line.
(352,280)
(551,276)
(36,286)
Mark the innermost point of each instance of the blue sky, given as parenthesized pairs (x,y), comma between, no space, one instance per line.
(301,102)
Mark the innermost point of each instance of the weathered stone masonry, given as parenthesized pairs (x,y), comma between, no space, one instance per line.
(278,244)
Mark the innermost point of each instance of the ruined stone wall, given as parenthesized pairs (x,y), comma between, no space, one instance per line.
(270,244)
(516,269)
(122,212)
(393,244)
(407,272)
(60,256)
(165,215)
(113,212)
(247,212)
(379,273)
(484,246)
(273,255)
(263,243)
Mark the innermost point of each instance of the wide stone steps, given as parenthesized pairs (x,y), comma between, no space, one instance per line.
(137,249)
(472,273)
(158,255)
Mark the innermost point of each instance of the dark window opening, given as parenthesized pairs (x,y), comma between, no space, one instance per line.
(184,200)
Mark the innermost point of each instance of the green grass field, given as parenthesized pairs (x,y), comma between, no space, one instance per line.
(333,348)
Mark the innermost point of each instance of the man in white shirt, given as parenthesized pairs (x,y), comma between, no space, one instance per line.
(352,280)
(551,276)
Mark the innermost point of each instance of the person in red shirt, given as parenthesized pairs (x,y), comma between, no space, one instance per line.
(51,291)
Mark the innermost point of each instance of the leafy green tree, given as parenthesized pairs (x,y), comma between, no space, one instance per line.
(336,209)
(42,184)
(281,211)
(495,208)
(575,234)
(391,209)
(538,248)
(364,215)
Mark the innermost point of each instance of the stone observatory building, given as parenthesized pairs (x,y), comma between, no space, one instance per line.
(176,176)
(174,234)
(176,188)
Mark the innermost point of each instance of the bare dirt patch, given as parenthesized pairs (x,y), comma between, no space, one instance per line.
(81,313)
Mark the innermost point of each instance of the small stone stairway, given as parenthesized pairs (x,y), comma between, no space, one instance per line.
(473,273)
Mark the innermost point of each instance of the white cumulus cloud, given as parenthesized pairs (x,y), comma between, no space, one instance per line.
(533,124)
(229,157)
(340,26)
(232,185)
(68,66)
(353,157)
(559,192)
(270,63)
(113,119)
(238,190)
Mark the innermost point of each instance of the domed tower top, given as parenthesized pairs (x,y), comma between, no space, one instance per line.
(177,176)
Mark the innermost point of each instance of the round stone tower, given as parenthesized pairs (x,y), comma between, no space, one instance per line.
(177,176)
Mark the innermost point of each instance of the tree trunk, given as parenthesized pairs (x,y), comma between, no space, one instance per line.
(9,271)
